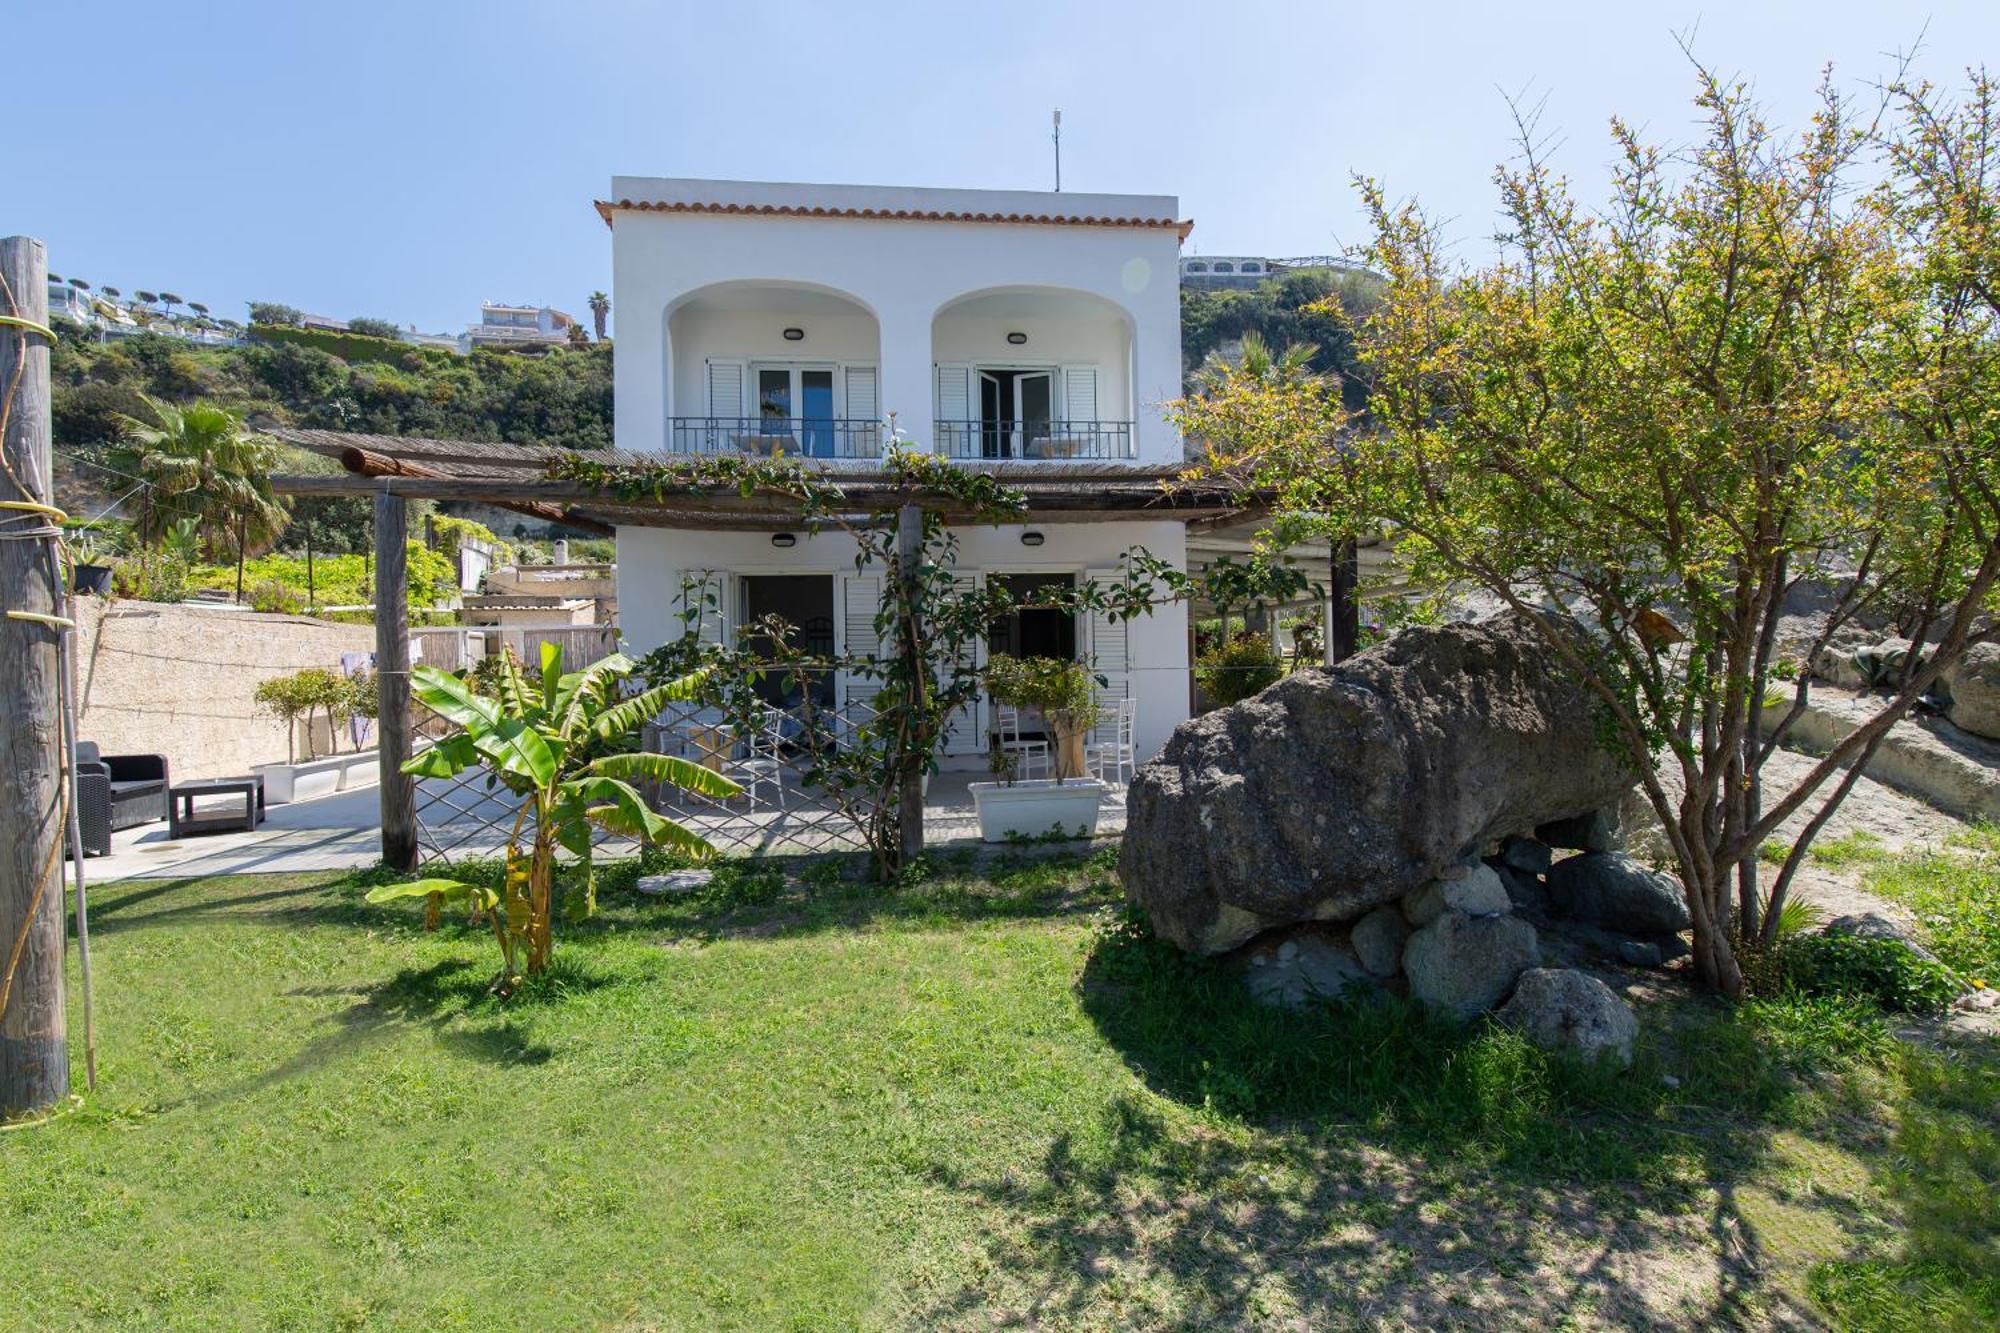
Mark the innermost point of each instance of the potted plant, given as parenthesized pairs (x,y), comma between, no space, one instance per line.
(91,575)
(315,695)
(1065,694)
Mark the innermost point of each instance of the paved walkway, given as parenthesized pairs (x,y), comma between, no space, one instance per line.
(343,832)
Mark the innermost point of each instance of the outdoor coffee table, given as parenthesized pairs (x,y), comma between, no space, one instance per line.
(181,816)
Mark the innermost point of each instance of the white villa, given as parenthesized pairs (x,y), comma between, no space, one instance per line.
(1031,333)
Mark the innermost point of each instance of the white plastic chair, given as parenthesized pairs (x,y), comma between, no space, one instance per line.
(1110,760)
(764,762)
(1025,755)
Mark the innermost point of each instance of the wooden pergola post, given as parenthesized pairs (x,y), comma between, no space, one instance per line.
(1343,612)
(34,1037)
(392,678)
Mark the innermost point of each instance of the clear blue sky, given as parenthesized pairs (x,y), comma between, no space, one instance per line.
(409,159)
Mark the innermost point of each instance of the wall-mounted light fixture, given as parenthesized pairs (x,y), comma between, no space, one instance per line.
(784,539)
(1032,539)
(795,335)
(1016,338)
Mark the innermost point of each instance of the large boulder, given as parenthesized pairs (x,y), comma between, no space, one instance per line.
(1562,1009)
(1464,965)
(1974,683)
(1610,889)
(1342,788)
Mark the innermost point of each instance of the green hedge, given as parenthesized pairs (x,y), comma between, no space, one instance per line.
(349,347)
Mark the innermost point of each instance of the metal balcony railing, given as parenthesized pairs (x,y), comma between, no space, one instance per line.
(1034,441)
(808,437)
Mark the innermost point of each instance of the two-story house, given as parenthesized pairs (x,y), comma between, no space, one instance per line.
(1031,333)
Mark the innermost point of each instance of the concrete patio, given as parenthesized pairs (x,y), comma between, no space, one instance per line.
(343,832)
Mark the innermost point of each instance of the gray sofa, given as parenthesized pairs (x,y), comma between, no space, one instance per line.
(117,791)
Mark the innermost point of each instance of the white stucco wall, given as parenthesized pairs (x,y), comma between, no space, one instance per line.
(650,561)
(904,273)
(698,333)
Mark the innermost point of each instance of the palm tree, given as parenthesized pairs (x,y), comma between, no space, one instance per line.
(198,466)
(1259,363)
(600,308)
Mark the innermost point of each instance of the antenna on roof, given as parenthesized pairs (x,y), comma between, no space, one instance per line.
(1057,136)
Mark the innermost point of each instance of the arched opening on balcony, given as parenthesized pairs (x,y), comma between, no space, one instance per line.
(1035,374)
(773,367)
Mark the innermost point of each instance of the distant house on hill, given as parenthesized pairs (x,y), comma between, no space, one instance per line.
(519,326)
(1207,272)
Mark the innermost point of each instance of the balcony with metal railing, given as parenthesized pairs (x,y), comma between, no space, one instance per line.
(1034,441)
(771,436)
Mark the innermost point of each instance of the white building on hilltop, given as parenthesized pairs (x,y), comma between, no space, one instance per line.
(1035,334)
(519,326)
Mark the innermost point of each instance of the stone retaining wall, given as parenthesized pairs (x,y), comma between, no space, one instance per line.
(176,680)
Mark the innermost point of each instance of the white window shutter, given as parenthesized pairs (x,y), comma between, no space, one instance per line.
(1109,657)
(860,598)
(699,599)
(864,398)
(1080,393)
(965,729)
(954,409)
(726,381)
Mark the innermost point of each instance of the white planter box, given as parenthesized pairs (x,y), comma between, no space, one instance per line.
(1037,807)
(285,783)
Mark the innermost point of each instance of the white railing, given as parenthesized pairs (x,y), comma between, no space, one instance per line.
(457,647)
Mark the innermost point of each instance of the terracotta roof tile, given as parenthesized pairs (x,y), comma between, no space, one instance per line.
(605,209)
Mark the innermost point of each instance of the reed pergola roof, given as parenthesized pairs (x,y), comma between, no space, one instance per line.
(514,476)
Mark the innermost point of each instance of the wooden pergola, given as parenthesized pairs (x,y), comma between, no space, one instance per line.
(393,470)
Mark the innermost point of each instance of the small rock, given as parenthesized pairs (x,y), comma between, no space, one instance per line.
(1526,855)
(1526,892)
(1308,968)
(674,881)
(1463,965)
(1562,1009)
(1640,953)
(1476,892)
(1611,889)
(1595,831)
(1378,939)
(1875,926)
(1979,1000)
(1974,684)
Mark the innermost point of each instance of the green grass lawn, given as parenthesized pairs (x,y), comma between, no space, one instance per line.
(978,1100)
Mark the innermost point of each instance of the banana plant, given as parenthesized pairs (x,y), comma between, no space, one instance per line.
(543,738)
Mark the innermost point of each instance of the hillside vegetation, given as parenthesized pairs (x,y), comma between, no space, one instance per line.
(562,397)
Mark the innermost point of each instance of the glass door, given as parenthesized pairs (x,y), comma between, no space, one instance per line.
(797,402)
(1034,408)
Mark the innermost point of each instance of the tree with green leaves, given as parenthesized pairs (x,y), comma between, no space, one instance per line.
(196,463)
(552,739)
(1643,427)
(600,310)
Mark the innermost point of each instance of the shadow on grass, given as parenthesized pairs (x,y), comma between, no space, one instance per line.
(1941,1169)
(1369,1164)
(1148,1226)
(451,999)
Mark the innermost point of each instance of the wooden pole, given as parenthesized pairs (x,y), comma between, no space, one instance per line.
(34,1037)
(392,680)
(910,783)
(1343,611)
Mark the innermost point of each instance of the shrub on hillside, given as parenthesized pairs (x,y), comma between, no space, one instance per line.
(1884,970)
